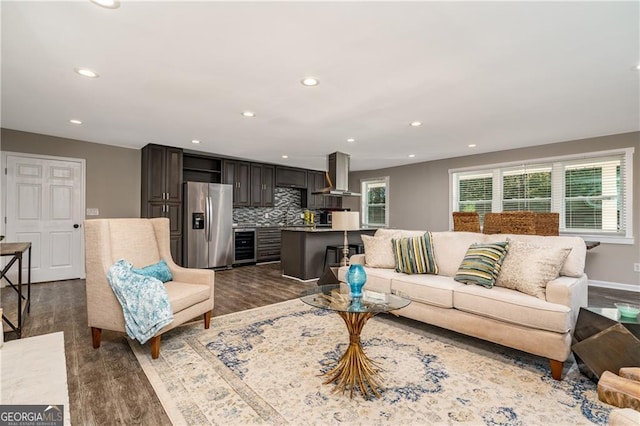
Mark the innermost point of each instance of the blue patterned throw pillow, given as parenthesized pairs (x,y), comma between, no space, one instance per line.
(158,270)
(481,265)
(414,255)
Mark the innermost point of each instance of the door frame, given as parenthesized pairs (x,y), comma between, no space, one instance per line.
(83,195)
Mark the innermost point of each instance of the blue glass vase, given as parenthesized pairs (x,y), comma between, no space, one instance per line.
(356,277)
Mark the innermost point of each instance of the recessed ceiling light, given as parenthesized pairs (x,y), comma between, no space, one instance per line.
(412,155)
(351,140)
(86,72)
(248,113)
(195,141)
(310,81)
(638,67)
(109,4)
(416,123)
(285,156)
(74,121)
(472,145)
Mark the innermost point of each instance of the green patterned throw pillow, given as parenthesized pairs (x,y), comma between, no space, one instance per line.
(414,255)
(481,265)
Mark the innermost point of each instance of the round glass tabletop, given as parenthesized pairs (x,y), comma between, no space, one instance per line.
(336,298)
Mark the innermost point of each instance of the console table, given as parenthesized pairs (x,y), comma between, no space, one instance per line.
(16,251)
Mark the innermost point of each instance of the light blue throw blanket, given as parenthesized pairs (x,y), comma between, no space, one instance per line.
(144,301)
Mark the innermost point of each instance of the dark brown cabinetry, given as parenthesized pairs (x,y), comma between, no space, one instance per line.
(238,174)
(201,168)
(262,179)
(291,177)
(162,190)
(268,244)
(316,181)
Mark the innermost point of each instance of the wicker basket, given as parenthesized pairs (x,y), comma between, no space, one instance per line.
(492,223)
(518,223)
(547,224)
(466,221)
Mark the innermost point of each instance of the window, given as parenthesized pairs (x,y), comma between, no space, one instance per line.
(591,192)
(375,201)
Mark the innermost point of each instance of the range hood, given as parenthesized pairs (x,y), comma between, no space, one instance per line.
(337,176)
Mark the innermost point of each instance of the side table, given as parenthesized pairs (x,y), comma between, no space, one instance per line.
(603,341)
(16,251)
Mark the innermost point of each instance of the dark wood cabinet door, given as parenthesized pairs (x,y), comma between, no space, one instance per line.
(256,185)
(175,245)
(243,179)
(174,213)
(154,166)
(155,209)
(173,174)
(268,182)
(229,172)
(317,182)
(291,177)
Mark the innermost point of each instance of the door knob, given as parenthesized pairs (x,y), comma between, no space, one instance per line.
(75,225)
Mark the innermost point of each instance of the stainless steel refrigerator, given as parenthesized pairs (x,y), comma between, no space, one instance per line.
(208,222)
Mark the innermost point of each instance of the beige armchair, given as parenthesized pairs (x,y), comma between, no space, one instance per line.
(141,242)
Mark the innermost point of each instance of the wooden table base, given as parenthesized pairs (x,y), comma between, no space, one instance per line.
(355,368)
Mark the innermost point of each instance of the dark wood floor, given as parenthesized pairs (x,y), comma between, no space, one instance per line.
(107,385)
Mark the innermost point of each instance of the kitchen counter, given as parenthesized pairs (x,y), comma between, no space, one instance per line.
(303,248)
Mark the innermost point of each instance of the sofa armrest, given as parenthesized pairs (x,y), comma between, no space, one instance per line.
(569,291)
(357,259)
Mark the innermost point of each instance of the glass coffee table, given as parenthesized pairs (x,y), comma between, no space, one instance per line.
(354,368)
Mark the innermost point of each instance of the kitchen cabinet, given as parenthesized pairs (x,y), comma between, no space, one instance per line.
(238,174)
(268,244)
(291,177)
(162,190)
(201,168)
(316,181)
(262,185)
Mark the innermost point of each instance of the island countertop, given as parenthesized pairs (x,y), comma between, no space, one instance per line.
(321,229)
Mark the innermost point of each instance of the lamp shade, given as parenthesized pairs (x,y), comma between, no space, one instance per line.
(345,221)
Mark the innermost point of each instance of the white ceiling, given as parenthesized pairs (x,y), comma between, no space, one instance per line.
(497,74)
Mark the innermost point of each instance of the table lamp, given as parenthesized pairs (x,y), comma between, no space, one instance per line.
(345,221)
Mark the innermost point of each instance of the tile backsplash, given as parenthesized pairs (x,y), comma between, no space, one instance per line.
(286,211)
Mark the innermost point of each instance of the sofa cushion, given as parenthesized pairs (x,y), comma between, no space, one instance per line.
(529,267)
(183,295)
(513,307)
(434,290)
(481,265)
(158,270)
(414,255)
(378,252)
(449,249)
(574,264)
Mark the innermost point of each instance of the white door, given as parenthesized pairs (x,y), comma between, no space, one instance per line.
(45,206)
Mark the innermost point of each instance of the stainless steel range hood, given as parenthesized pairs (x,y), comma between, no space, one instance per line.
(337,176)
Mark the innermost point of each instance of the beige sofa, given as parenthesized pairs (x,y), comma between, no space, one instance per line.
(500,315)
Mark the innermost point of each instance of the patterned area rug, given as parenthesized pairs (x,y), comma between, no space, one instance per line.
(261,367)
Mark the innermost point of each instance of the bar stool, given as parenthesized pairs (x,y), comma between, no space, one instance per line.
(337,253)
(359,248)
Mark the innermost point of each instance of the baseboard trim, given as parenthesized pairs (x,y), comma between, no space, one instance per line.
(615,286)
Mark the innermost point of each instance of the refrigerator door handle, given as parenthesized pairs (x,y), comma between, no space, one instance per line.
(207,219)
(209,237)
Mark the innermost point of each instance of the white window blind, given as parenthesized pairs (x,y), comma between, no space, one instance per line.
(592,192)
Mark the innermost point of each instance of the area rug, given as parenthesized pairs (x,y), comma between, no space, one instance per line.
(261,367)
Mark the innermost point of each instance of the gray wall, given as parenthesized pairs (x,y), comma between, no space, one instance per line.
(112,173)
(419,197)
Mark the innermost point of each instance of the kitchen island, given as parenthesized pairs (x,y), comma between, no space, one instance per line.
(302,249)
